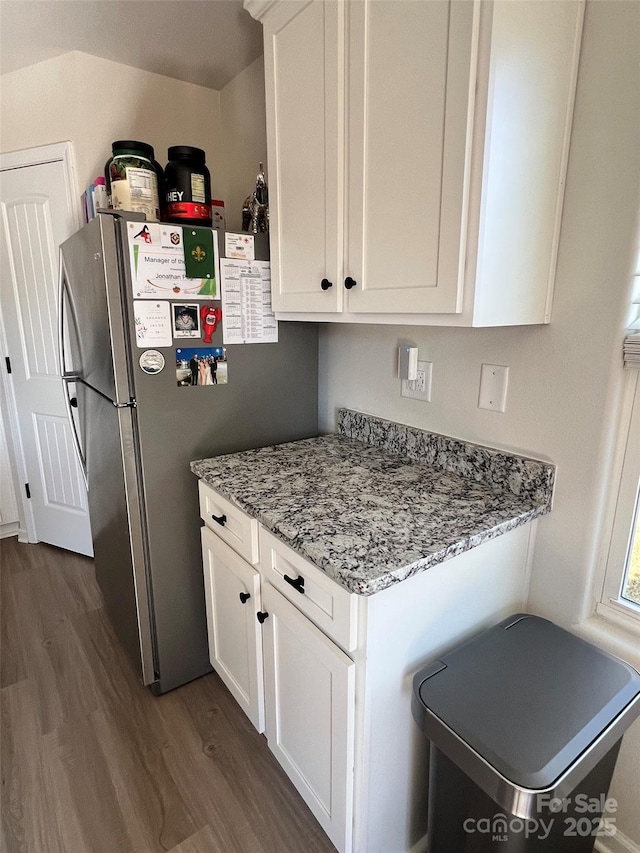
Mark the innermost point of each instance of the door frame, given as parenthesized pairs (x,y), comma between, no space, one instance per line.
(58,152)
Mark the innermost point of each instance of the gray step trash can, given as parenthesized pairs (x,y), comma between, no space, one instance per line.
(525,722)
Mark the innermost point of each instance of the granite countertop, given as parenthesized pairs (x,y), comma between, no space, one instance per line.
(379,502)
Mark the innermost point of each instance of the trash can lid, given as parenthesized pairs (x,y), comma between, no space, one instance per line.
(527,696)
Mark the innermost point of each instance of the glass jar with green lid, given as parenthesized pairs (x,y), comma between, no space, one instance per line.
(132,178)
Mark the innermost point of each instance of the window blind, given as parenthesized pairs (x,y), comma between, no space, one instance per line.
(631,346)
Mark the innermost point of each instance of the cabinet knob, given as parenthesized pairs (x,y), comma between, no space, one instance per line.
(244,597)
(349,282)
(73,402)
(298,583)
(220,519)
(325,284)
(262,615)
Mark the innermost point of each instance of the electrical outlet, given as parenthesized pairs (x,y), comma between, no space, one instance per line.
(419,388)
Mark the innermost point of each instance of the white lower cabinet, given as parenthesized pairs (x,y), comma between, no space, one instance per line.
(307,685)
(309,698)
(232,593)
(327,674)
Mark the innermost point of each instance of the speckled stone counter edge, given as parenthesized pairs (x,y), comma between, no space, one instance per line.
(520,475)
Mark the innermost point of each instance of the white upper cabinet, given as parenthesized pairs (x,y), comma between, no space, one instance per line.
(303,50)
(417,157)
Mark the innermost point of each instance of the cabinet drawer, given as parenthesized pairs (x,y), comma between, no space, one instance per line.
(235,527)
(325,602)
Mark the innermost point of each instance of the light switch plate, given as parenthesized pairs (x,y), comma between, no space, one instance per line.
(493,387)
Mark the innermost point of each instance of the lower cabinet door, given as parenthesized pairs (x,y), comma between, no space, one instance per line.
(232,593)
(309,697)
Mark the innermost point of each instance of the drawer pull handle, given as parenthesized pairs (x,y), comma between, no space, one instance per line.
(262,615)
(325,284)
(220,519)
(349,282)
(244,597)
(298,583)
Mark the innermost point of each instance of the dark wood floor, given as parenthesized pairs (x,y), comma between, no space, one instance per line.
(93,763)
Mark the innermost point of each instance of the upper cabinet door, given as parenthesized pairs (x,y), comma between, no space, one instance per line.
(411,76)
(304,58)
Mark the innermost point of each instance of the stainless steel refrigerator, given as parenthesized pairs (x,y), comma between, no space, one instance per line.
(136,433)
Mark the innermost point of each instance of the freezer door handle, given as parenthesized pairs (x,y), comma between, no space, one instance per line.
(68,376)
(62,291)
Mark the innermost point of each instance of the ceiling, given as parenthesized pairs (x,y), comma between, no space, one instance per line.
(200,41)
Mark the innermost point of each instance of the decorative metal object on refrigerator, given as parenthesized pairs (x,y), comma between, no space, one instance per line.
(255,210)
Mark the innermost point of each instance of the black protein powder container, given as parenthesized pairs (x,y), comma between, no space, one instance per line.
(187,185)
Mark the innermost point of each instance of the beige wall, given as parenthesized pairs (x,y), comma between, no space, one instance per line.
(244,134)
(563,377)
(92,102)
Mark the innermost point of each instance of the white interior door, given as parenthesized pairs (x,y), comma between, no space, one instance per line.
(37,216)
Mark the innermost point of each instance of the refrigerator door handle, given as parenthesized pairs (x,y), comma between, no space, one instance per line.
(66,381)
(68,376)
(62,347)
